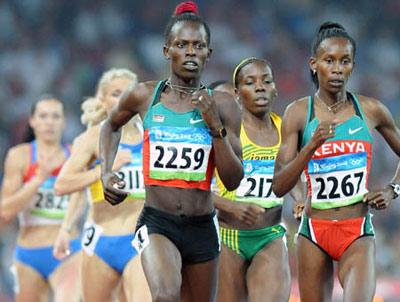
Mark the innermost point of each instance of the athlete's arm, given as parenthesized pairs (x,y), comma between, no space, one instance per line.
(132,101)
(298,196)
(74,211)
(242,211)
(221,111)
(384,123)
(228,151)
(16,196)
(74,175)
(290,163)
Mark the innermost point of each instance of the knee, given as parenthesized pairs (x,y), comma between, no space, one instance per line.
(166,295)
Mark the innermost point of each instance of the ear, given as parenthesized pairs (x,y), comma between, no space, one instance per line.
(312,62)
(166,51)
(31,122)
(209,54)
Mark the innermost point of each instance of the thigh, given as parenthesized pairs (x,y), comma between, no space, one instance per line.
(199,282)
(268,276)
(65,280)
(100,282)
(356,270)
(30,285)
(162,265)
(134,284)
(315,271)
(231,280)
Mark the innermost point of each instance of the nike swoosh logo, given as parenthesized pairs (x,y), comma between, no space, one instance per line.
(192,121)
(352,131)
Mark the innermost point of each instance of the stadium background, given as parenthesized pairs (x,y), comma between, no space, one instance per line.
(62,47)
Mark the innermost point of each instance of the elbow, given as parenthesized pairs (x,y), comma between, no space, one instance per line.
(234,183)
(60,188)
(6,217)
(277,189)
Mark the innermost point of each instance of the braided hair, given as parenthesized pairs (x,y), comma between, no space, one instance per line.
(329,30)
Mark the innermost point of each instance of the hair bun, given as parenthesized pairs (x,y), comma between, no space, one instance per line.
(330,25)
(186,7)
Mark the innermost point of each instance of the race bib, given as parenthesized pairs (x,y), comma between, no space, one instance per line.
(256,185)
(338,179)
(134,182)
(91,234)
(47,204)
(179,153)
(141,239)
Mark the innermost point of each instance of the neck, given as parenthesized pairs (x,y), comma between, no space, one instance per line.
(331,98)
(189,83)
(258,122)
(48,146)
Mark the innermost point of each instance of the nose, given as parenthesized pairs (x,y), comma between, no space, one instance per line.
(337,67)
(190,50)
(260,86)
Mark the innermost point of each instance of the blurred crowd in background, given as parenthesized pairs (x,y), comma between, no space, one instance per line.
(62,47)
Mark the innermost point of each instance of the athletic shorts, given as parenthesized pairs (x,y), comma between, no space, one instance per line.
(333,237)
(247,243)
(196,237)
(41,259)
(116,251)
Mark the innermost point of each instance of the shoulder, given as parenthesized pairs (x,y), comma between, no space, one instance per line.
(372,107)
(143,90)
(18,156)
(226,103)
(138,95)
(375,110)
(369,103)
(299,104)
(296,113)
(19,150)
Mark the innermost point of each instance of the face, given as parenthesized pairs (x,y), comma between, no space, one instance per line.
(256,88)
(111,92)
(48,121)
(187,49)
(334,63)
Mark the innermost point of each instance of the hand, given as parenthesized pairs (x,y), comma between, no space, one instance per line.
(208,109)
(297,210)
(323,132)
(61,246)
(246,212)
(379,199)
(123,157)
(111,188)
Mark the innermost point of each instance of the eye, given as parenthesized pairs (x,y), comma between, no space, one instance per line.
(116,93)
(346,61)
(329,60)
(267,81)
(179,45)
(200,45)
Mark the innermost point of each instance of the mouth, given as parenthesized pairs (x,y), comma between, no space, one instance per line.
(190,65)
(261,101)
(336,83)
